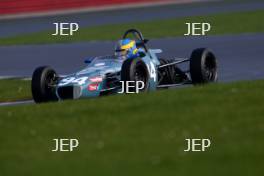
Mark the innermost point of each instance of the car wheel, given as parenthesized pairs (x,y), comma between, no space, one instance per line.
(135,70)
(43,84)
(203,66)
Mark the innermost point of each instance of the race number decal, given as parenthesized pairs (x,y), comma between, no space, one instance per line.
(73,80)
(152,71)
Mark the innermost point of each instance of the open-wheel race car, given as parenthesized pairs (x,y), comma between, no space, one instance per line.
(106,75)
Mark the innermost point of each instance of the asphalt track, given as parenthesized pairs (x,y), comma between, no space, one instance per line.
(29,25)
(240,56)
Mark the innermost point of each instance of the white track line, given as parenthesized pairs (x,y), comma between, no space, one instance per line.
(16,103)
(15,77)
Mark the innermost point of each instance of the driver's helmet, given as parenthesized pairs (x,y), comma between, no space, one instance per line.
(126,49)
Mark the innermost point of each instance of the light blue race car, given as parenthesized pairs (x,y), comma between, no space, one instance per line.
(111,74)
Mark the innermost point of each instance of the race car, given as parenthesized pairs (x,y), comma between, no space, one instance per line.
(104,75)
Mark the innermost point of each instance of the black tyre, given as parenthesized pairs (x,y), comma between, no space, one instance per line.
(135,70)
(203,66)
(43,84)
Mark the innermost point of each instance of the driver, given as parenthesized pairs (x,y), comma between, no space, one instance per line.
(126,49)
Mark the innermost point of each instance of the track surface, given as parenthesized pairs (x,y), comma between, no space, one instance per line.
(240,56)
(29,25)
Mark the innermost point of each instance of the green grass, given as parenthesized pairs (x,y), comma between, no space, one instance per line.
(229,23)
(14,89)
(140,134)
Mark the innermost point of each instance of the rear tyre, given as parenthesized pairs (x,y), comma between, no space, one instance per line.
(135,70)
(203,66)
(43,84)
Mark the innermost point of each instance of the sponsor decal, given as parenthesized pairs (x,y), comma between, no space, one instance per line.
(96,79)
(93,87)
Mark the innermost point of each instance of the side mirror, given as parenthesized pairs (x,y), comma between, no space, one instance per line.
(89,60)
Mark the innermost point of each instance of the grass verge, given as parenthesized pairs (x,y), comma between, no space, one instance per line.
(14,89)
(139,134)
(229,23)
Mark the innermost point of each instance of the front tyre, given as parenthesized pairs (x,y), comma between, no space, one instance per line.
(135,70)
(43,84)
(203,66)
